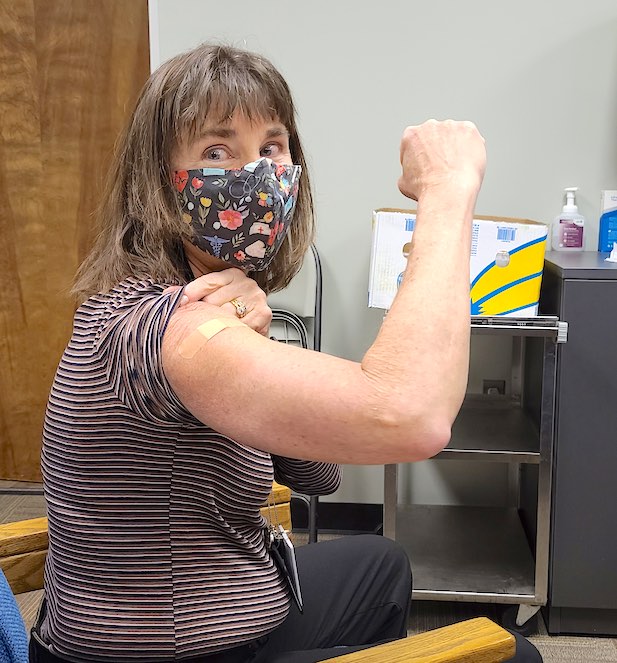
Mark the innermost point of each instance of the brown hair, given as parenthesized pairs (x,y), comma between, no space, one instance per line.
(140,224)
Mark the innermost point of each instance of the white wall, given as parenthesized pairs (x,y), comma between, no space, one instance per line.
(538,78)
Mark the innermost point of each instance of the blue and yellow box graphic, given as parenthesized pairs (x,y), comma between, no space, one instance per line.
(506,262)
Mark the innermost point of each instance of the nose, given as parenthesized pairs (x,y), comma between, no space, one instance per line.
(250,155)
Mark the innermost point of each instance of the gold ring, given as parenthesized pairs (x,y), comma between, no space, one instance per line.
(240,307)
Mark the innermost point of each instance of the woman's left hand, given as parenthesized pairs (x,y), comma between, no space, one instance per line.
(219,288)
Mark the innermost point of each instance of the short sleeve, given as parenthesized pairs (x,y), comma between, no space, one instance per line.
(129,343)
(307,476)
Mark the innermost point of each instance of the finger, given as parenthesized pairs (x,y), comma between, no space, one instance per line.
(252,314)
(403,187)
(258,323)
(228,307)
(265,330)
(174,288)
(258,319)
(212,282)
(405,140)
(204,285)
(226,293)
(226,276)
(265,320)
(246,291)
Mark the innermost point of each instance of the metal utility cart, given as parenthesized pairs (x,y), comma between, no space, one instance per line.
(485,554)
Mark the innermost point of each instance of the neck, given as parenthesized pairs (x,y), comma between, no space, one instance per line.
(197,269)
(201,262)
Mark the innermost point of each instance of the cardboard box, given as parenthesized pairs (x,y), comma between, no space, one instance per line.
(507,259)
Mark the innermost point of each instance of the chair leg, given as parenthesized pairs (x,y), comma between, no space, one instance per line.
(312,524)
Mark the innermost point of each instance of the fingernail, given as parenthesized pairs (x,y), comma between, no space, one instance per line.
(184,300)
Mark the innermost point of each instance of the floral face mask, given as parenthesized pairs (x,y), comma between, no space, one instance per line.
(240,216)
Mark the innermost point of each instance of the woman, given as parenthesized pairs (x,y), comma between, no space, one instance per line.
(169,415)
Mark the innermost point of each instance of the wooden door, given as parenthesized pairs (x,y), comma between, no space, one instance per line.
(70,72)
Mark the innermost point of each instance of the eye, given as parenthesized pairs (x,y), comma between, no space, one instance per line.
(216,154)
(271,150)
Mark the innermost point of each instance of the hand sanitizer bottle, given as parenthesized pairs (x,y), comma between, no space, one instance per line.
(569,225)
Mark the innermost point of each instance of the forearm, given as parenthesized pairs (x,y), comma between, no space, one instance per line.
(422,351)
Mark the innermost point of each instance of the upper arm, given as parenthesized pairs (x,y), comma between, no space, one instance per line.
(129,344)
(283,399)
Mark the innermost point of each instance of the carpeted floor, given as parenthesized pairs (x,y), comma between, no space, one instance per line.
(19,501)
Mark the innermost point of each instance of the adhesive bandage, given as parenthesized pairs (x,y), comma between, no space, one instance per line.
(191,345)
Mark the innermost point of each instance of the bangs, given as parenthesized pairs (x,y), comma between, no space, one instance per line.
(229,82)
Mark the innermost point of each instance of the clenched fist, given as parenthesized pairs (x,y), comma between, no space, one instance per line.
(441,154)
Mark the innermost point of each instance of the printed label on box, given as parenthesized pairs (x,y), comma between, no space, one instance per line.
(506,262)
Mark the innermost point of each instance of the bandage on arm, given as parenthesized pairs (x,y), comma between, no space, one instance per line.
(191,345)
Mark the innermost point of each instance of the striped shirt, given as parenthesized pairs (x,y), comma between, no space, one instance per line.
(156,546)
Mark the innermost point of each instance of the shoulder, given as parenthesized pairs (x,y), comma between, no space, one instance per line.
(126,303)
(128,292)
(126,295)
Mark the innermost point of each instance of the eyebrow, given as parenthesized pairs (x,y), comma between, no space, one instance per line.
(277,131)
(217,132)
(221,132)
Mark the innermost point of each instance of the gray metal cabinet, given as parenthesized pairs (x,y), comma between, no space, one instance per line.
(492,554)
(582,289)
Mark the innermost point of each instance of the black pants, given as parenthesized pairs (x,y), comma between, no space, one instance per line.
(357,593)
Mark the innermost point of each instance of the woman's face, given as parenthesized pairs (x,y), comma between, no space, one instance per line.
(233,144)
(230,144)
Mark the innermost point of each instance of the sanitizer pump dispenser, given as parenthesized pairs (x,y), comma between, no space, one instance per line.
(569,225)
